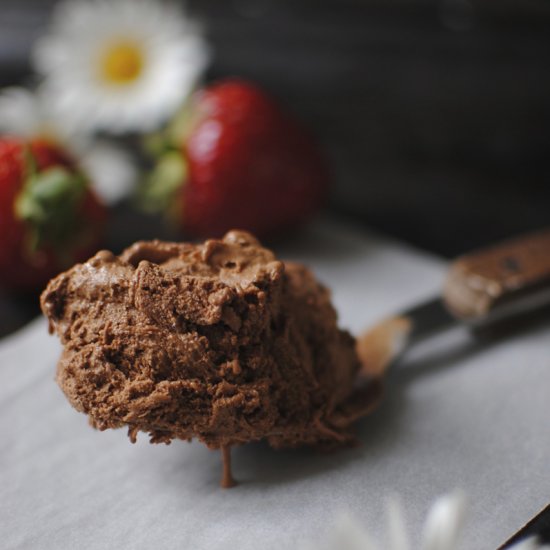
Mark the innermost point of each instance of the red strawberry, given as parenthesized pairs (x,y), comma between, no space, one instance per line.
(49,218)
(234,158)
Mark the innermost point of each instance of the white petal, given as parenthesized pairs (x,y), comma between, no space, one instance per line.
(346,534)
(444,522)
(19,113)
(110,169)
(397,530)
(29,114)
(349,535)
(529,544)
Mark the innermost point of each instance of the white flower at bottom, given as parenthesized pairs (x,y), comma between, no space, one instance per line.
(444,522)
(441,531)
(531,543)
(119,65)
(346,534)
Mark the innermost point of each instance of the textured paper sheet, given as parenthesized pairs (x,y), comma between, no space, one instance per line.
(458,414)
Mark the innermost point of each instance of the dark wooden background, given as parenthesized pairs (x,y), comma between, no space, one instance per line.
(435,114)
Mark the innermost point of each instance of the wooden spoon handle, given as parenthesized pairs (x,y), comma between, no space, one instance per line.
(501,279)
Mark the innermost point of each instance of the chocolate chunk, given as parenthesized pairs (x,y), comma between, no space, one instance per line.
(219,341)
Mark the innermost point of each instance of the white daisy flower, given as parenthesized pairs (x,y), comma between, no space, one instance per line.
(29,115)
(119,65)
(441,531)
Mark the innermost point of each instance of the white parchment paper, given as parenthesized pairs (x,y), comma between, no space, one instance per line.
(459,413)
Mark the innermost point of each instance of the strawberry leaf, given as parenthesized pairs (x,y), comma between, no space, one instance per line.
(160,189)
(48,205)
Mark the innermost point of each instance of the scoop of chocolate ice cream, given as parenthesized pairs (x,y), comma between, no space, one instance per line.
(218,341)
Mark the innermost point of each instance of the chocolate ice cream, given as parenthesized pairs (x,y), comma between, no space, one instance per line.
(218,341)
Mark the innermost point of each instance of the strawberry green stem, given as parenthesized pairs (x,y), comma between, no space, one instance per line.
(48,204)
(159,191)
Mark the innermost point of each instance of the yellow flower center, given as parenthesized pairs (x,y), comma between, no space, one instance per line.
(122,62)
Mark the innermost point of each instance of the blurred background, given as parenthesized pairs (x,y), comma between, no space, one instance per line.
(435,114)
